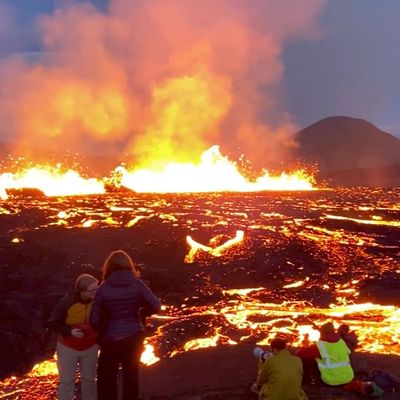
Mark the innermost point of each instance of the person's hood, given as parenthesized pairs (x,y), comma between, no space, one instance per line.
(331,337)
(122,278)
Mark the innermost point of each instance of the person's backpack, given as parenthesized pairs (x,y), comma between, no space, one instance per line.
(382,379)
(371,389)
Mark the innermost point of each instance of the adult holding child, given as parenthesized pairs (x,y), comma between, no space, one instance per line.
(76,344)
(119,306)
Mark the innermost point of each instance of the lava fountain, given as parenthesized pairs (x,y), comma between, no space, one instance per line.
(215,173)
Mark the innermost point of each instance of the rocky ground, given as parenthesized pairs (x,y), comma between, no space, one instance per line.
(39,259)
(224,373)
(227,373)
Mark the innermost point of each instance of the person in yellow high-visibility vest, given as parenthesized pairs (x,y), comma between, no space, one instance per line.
(332,356)
(334,361)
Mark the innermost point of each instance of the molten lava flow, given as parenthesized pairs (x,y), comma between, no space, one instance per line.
(214,251)
(50,181)
(376,220)
(213,341)
(45,368)
(148,357)
(296,284)
(215,173)
(377,326)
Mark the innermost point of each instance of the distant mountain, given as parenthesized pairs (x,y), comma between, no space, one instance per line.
(351,151)
(339,143)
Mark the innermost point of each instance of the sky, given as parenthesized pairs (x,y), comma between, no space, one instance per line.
(325,58)
(353,70)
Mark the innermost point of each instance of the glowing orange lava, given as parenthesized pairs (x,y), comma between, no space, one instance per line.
(375,220)
(215,251)
(215,173)
(51,181)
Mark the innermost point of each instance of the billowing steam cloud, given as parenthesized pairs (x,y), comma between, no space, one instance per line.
(160,79)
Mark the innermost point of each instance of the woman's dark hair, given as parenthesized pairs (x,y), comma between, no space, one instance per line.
(118,260)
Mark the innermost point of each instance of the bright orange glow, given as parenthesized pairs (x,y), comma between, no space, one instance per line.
(203,343)
(148,357)
(184,111)
(215,173)
(88,223)
(45,368)
(214,251)
(295,284)
(308,332)
(376,220)
(51,181)
(377,326)
(378,329)
(100,110)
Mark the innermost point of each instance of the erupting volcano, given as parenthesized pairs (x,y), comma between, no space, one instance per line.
(202,185)
(160,105)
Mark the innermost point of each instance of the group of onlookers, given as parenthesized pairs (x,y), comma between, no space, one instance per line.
(101,329)
(330,361)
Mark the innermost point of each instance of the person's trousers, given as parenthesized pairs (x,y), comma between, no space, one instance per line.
(125,353)
(67,361)
(310,371)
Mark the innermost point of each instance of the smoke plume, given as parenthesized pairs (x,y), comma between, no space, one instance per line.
(161,80)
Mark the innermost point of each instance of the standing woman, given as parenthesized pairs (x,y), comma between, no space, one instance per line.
(119,306)
(76,339)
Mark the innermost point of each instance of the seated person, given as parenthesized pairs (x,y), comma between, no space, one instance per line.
(279,376)
(357,362)
(348,336)
(330,355)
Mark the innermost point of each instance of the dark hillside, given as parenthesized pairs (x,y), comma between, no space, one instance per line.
(340,143)
(350,152)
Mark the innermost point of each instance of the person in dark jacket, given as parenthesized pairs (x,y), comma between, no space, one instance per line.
(76,339)
(350,337)
(120,303)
